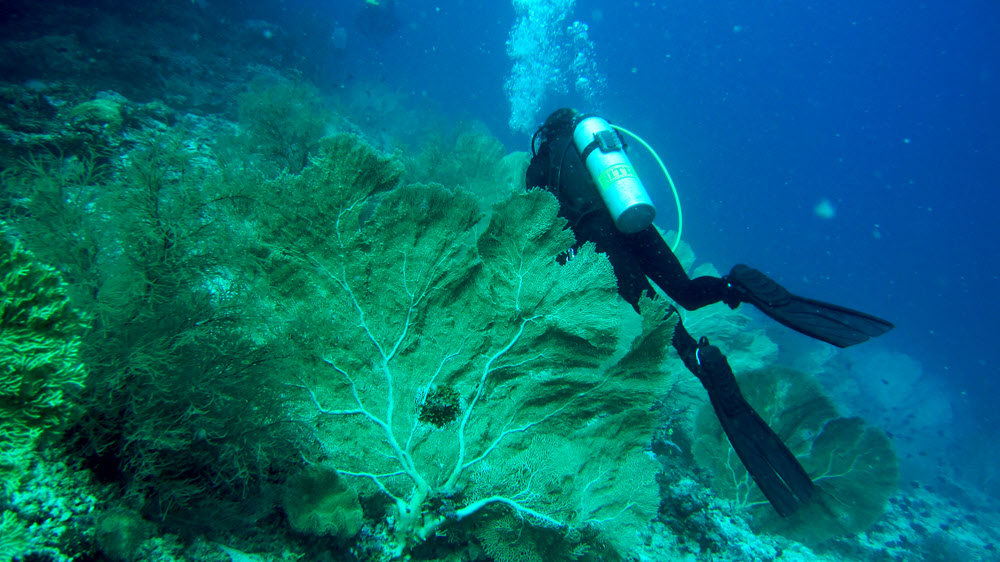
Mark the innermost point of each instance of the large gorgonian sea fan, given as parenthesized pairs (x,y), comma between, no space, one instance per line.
(465,370)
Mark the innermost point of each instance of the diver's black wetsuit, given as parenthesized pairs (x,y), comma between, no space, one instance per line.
(637,258)
(556,166)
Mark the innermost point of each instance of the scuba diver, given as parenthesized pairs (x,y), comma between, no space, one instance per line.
(581,159)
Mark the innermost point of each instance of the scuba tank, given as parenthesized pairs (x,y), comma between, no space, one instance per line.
(603,153)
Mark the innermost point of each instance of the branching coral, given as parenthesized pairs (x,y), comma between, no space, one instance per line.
(282,120)
(179,411)
(40,368)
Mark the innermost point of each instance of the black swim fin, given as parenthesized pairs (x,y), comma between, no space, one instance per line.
(774,468)
(837,325)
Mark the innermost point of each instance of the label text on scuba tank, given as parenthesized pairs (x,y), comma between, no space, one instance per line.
(614,173)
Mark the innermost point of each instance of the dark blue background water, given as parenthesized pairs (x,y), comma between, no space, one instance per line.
(762,110)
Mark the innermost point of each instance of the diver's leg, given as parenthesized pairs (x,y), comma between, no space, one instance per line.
(662,266)
(772,466)
(831,323)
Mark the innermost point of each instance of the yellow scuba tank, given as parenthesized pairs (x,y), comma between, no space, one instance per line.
(602,151)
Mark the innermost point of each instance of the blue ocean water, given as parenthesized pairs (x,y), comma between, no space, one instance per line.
(847,149)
